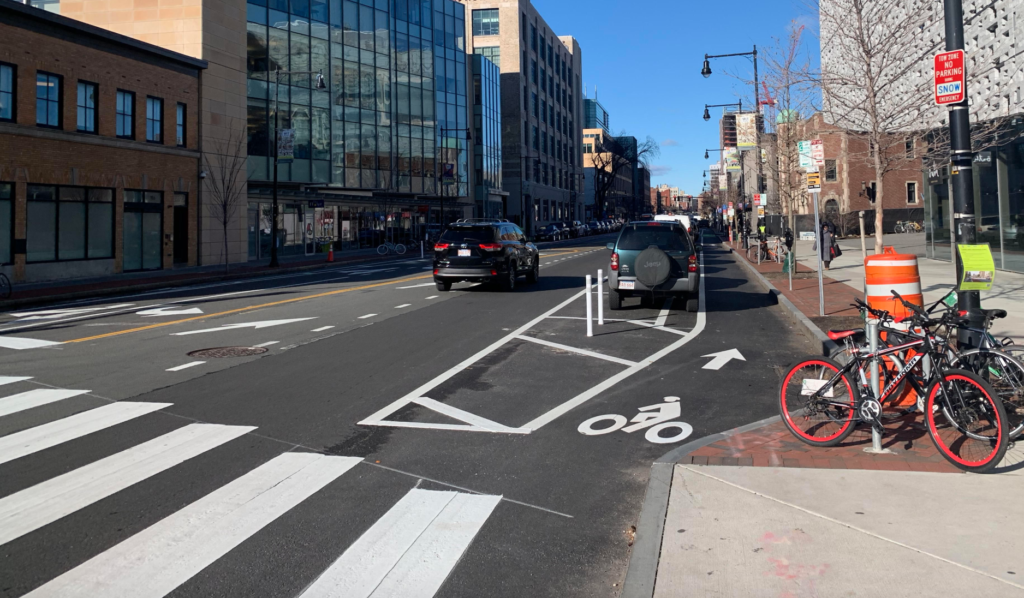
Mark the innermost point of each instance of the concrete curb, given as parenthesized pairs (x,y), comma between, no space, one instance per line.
(827,346)
(643,559)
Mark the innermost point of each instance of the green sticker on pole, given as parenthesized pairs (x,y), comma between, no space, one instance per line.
(979,267)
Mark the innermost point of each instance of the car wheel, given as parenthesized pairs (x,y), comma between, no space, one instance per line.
(534,274)
(507,281)
(692,304)
(614,300)
(443,286)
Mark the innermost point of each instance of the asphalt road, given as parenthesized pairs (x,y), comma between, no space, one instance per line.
(393,440)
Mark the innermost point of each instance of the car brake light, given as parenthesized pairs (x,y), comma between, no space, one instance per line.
(440,246)
(490,246)
(693,263)
(615,261)
(494,272)
(436,270)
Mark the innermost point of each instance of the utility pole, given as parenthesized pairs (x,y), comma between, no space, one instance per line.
(961,172)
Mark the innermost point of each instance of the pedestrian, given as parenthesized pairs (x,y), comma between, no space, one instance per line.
(823,244)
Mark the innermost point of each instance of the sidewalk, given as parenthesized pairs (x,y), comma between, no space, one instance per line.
(754,512)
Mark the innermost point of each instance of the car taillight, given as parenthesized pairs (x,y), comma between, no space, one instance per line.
(440,246)
(490,246)
(615,261)
(436,270)
(494,272)
(693,263)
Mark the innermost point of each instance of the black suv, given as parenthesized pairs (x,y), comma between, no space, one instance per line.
(484,251)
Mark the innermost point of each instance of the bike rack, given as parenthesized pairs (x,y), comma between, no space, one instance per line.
(876,436)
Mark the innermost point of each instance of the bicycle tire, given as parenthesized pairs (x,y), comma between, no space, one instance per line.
(5,287)
(382,249)
(969,430)
(834,425)
(752,255)
(1006,375)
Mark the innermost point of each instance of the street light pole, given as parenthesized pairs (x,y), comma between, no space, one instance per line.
(961,173)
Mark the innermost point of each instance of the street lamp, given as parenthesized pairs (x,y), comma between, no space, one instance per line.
(440,178)
(706,71)
(707,115)
(321,83)
(712,150)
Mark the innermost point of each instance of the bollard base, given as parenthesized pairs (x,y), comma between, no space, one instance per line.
(872,450)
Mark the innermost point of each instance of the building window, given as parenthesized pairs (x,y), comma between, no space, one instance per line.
(910,147)
(912,192)
(154,120)
(47,100)
(86,107)
(536,141)
(69,223)
(492,53)
(830,170)
(180,125)
(6,92)
(533,71)
(533,37)
(485,22)
(536,105)
(524,27)
(125,114)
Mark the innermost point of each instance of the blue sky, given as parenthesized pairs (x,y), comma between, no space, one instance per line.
(644,59)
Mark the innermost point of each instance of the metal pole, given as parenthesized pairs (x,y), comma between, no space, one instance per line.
(273,210)
(590,309)
(872,330)
(600,298)
(421,249)
(820,241)
(441,218)
(961,173)
(863,250)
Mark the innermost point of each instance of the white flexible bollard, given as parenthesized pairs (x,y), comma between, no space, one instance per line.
(590,309)
(600,298)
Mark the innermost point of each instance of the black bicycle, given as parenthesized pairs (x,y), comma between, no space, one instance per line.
(821,401)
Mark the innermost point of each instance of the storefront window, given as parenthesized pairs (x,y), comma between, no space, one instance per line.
(69,223)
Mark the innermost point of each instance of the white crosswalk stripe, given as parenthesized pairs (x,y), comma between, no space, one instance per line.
(47,502)
(408,553)
(160,558)
(36,398)
(15,446)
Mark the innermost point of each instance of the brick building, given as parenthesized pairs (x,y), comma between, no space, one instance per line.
(848,182)
(99,150)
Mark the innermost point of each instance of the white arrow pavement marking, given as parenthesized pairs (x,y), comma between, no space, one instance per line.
(52,314)
(167,311)
(19,343)
(253,325)
(723,358)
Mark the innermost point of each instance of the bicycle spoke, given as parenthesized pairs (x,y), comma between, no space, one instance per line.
(814,412)
(966,423)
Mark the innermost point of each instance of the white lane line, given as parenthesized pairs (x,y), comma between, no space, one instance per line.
(17,445)
(576,350)
(21,343)
(626,373)
(13,379)
(417,286)
(30,509)
(411,550)
(403,305)
(666,308)
(155,561)
(267,344)
(646,322)
(433,297)
(321,329)
(366,316)
(190,364)
(473,423)
(35,398)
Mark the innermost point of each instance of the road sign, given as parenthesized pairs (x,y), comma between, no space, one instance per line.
(817,152)
(760,211)
(949,77)
(814,181)
(803,148)
(758,199)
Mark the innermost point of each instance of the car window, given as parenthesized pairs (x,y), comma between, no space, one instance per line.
(458,236)
(518,233)
(642,237)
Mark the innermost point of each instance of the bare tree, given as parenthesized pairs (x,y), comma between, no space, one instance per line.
(611,159)
(225,165)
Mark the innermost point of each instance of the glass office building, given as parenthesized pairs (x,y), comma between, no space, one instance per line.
(370,142)
(487,137)
(998,202)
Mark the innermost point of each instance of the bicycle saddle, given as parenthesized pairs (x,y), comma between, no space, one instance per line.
(857,333)
(991,314)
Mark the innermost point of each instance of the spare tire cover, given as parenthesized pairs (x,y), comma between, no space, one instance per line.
(652,266)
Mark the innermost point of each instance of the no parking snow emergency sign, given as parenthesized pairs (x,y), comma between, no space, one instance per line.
(949,77)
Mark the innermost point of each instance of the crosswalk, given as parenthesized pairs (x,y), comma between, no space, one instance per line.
(409,551)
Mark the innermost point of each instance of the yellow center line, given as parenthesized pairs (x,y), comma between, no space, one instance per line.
(562,252)
(249,308)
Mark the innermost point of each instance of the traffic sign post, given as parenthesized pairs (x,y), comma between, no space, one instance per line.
(814,182)
(818,152)
(820,241)
(950,87)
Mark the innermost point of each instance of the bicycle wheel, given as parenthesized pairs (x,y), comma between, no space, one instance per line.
(752,254)
(382,249)
(5,287)
(966,421)
(400,249)
(1006,375)
(815,414)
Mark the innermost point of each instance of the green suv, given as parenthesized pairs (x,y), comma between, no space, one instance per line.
(654,259)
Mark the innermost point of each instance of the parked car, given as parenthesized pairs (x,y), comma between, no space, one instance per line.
(567,230)
(593,228)
(654,259)
(551,232)
(493,251)
(581,230)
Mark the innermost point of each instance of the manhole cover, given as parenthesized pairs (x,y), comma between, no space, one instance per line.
(228,352)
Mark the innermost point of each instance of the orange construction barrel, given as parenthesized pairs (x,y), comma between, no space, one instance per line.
(888,272)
